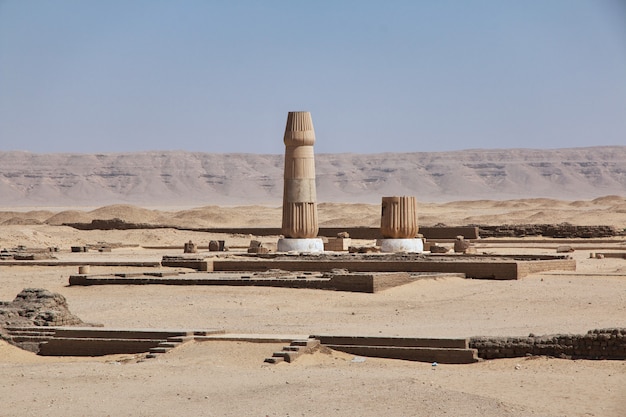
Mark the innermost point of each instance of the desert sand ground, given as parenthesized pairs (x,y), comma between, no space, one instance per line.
(230,378)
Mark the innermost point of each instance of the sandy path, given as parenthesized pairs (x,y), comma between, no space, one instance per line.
(229,379)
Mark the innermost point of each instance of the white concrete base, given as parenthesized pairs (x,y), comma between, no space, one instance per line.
(401,245)
(310,245)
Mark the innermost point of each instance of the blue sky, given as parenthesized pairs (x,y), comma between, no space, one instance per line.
(394,76)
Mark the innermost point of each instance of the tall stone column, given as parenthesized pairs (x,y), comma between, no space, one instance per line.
(398,225)
(299,225)
(299,196)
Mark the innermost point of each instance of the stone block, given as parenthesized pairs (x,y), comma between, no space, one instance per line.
(259,250)
(190,247)
(337,244)
(287,356)
(419,354)
(275,359)
(564,249)
(461,245)
(438,249)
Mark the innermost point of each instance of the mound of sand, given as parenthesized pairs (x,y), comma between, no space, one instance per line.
(69,216)
(598,212)
(36,215)
(131,214)
(609,211)
(19,220)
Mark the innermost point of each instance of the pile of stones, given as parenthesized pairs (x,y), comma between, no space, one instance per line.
(36,307)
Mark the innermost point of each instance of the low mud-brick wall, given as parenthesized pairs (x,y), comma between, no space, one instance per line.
(595,344)
(563,230)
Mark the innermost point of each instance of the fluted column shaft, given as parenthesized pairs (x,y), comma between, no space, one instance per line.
(399,217)
(299,194)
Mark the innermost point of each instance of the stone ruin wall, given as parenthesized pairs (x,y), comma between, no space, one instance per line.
(563,230)
(595,344)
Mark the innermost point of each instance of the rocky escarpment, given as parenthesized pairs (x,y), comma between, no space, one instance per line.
(188,178)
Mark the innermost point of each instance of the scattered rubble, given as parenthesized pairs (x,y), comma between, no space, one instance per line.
(36,307)
(22,253)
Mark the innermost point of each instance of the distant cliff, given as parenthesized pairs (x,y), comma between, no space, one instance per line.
(186,178)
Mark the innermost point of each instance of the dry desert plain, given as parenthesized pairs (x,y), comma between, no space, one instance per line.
(231,379)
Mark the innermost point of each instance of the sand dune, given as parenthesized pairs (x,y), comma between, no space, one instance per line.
(40,228)
(609,210)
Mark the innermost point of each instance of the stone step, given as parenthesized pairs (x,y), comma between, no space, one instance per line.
(308,343)
(28,346)
(392,341)
(419,354)
(252,337)
(63,346)
(30,329)
(31,334)
(287,355)
(296,349)
(160,349)
(292,348)
(207,332)
(103,333)
(274,359)
(95,341)
(180,339)
(30,339)
(168,345)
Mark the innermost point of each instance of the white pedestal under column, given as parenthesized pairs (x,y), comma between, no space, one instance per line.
(307,245)
(401,245)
